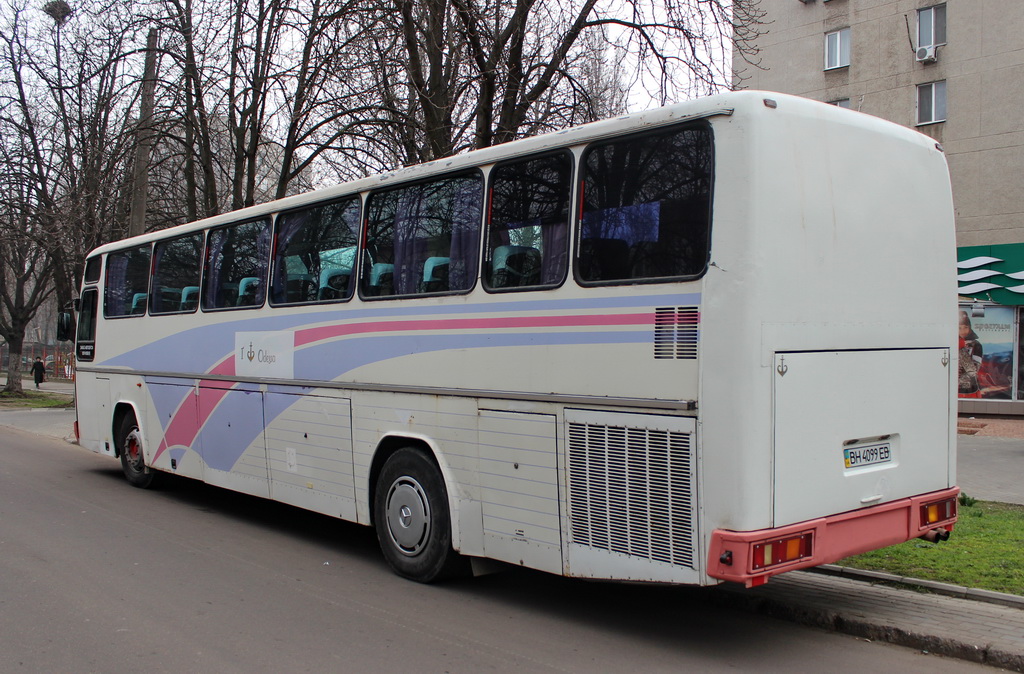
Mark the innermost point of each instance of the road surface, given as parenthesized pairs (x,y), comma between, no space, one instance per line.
(96,576)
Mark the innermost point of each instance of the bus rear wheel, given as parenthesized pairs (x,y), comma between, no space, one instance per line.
(412,520)
(133,461)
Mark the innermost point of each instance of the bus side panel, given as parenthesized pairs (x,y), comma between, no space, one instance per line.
(95,421)
(445,427)
(171,428)
(519,489)
(631,497)
(232,439)
(309,452)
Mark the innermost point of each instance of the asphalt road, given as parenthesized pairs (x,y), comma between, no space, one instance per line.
(96,576)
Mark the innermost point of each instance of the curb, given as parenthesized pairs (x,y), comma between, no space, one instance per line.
(974,594)
(793,610)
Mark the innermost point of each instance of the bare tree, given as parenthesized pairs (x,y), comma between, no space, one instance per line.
(326,96)
(24,276)
(601,79)
(254,93)
(507,70)
(65,141)
(262,98)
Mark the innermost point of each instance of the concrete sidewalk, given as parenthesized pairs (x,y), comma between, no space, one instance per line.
(52,422)
(960,622)
(988,632)
(62,386)
(984,627)
(55,423)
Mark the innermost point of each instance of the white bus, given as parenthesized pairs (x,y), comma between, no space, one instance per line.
(712,341)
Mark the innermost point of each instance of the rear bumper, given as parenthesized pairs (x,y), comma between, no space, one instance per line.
(731,553)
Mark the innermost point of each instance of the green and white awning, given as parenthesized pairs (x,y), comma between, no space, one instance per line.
(992,273)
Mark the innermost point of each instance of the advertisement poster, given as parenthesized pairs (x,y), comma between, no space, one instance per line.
(986,353)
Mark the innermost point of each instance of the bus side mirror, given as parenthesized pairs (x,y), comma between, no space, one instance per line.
(64,326)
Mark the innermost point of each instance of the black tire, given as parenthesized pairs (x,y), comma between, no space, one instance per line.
(133,460)
(410,508)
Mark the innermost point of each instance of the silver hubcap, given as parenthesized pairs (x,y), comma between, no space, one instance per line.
(408,515)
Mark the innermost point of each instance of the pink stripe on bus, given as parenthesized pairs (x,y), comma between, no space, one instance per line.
(310,335)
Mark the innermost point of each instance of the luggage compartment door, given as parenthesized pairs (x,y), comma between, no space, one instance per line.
(857,428)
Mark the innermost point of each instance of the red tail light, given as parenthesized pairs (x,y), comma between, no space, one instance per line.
(781,551)
(938,511)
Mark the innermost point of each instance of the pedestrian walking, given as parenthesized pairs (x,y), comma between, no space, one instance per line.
(38,371)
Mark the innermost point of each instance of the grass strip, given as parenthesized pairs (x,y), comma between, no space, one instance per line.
(985,551)
(34,399)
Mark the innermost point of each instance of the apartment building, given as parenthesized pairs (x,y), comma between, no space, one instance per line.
(953,70)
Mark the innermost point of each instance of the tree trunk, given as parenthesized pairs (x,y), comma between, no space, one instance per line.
(140,170)
(15,345)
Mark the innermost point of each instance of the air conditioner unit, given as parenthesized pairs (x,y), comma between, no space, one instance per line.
(926,55)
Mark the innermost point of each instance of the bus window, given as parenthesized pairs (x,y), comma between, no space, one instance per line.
(127,286)
(646,207)
(176,267)
(316,253)
(527,236)
(237,257)
(92,269)
(85,340)
(423,238)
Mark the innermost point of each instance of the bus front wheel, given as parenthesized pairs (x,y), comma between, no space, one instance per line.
(411,516)
(129,446)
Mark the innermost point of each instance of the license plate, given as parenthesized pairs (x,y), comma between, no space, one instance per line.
(867,455)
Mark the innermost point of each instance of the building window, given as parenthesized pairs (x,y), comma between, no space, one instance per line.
(931,102)
(837,49)
(841,103)
(931,26)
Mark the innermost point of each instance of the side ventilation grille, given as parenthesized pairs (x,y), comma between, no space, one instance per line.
(675,332)
(631,491)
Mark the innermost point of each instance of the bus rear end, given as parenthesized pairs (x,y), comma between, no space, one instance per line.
(860,460)
(828,337)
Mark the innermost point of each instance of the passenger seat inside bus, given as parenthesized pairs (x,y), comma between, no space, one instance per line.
(334,283)
(248,288)
(382,279)
(139,303)
(515,266)
(189,298)
(435,274)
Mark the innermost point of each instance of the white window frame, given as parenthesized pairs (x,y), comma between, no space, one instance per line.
(841,51)
(936,15)
(936,109)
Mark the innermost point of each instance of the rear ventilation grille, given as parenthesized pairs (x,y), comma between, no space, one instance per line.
(631,491)
(675,332)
